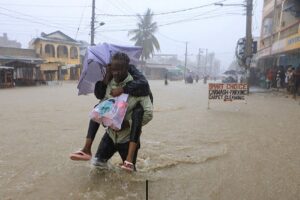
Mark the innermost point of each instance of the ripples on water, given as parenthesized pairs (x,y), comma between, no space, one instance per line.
(114,183)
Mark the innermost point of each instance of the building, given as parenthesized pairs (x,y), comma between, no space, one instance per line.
(171,59)
(162,65)
(61,54)
(25,63)
(158,71)
(8,54)
(5,42)
(280,34)
(6,77)
(155,71)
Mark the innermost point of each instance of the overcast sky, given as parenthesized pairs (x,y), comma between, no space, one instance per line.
(198,22)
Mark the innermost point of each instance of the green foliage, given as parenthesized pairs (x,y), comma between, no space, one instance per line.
(143,35)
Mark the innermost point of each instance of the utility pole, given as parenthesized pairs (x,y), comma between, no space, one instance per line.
(185,61)
(249,31)
(199,59)
(93,23)
(205,61)
(248,48)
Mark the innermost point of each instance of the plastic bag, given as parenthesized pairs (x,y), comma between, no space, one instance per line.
(111,112)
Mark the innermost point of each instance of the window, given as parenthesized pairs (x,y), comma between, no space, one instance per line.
(73,53)
(41,49)
(62,51)
(267,27)
(291,13)
(49,50)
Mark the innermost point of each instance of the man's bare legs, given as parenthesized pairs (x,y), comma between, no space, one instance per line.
(135,132)
(86,153)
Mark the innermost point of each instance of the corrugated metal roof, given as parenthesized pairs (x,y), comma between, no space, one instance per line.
(10,51)
(21,58)
(5,67)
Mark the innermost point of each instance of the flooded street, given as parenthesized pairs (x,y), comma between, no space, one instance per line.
(231,151)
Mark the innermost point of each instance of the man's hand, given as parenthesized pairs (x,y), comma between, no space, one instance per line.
(125,125)
(108,75)
(116,92)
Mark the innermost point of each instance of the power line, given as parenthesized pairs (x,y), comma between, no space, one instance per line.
(111,38)
(34,18)
(213,11)
(160,19)
(197,19)
(172,41)
(116,6)
(128,29)
(171,23)
(126,5)
(169,38)
(116,30)
(162,13)
(32,21)
(37,5)
(36,22)
(80,20)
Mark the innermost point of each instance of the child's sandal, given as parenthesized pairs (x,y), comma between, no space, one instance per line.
(128,166)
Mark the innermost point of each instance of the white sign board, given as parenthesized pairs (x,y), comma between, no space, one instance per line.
(227,92)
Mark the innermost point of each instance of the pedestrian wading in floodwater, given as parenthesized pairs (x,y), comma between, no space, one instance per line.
(120,78)
(166,78)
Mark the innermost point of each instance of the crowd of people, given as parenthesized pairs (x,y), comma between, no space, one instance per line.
(280,77)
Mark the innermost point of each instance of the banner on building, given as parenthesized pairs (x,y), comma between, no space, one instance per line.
(227,92)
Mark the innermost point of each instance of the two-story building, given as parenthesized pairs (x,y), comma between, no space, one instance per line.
(61,54)
(280,34)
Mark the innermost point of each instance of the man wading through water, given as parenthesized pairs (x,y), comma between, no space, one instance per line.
(117,80)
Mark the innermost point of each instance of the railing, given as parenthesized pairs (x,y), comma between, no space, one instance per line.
(285,32)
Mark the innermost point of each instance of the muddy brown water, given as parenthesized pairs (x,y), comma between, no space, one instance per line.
(231,151)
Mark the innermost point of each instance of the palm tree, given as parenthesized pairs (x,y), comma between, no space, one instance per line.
(144,34)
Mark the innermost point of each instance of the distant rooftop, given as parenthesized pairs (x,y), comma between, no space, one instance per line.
(5,42)
(8,54)
(56,36)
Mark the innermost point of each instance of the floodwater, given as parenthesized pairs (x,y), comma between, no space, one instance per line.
(231,151)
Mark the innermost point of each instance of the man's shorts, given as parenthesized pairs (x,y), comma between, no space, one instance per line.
(107,148)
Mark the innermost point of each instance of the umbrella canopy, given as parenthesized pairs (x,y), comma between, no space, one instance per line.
(95,61)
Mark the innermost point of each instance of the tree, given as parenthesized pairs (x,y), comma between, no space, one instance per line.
(143,35)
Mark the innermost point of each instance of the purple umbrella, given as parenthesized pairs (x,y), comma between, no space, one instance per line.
(95,61)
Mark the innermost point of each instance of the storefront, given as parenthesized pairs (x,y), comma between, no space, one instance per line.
(281,55)
(290,59)
(6,77)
